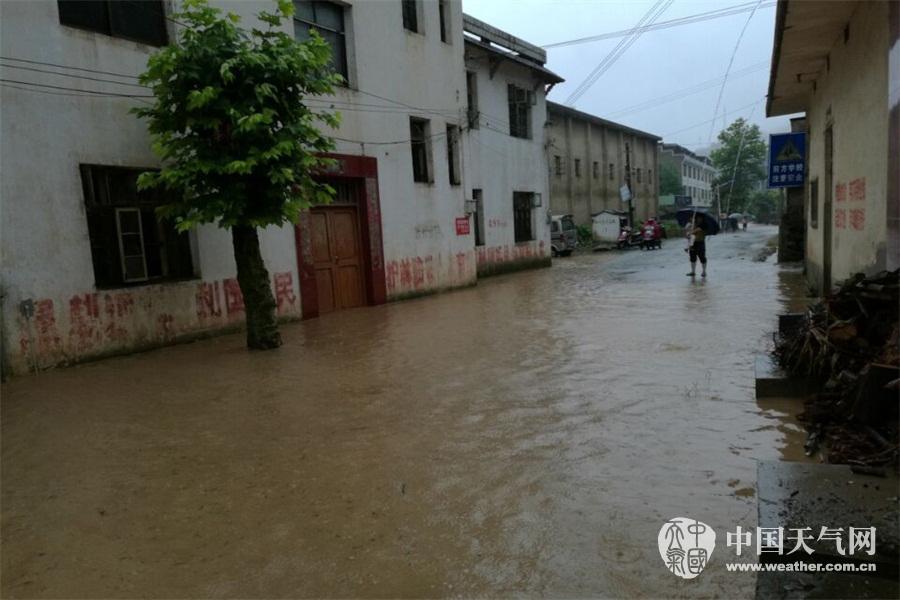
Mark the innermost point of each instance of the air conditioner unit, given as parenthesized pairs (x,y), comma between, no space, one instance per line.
(471,207)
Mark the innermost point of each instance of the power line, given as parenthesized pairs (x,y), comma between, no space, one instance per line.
(713,120)
(696,18)
(84,77)
(88,92)
(737,44)
(606,58)
(659,101)
(58,66)
(654,13)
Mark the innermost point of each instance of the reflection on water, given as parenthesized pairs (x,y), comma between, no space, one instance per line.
(526,436)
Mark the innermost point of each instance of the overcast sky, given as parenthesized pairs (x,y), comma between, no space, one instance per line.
(658,64)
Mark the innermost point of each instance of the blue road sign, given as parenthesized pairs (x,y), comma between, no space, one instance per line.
(787,160)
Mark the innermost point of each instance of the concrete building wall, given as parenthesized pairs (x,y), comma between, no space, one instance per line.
(575,143)
(52,311)
(499,164)
(850,99)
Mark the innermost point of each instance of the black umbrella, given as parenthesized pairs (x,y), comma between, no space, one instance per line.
(708,223)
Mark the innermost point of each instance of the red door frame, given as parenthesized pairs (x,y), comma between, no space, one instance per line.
(364,168)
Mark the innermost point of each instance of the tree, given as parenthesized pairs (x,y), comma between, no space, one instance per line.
(742,145)
(669,179)
(764,205)
(238,145)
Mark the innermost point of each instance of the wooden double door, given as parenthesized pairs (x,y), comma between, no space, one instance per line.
(337,257)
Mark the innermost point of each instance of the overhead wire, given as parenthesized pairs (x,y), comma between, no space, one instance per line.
(695,18)
(654,13)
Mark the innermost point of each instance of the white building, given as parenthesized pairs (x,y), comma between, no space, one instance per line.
(71,151)
(697,173)
(505,172)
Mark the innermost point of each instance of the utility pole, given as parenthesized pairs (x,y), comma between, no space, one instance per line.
(628,185)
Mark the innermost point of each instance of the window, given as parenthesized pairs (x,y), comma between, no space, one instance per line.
(612,171)
(650,176)
(328,19)
(557,165)
(522,216)
(472,99)
(479,217)
(520,101)
(410,15)
(596,172)
(129,243)
(814,203)
(638,172)
(419,132)
(444,12)
(453,153)
(138,20)
(577,167)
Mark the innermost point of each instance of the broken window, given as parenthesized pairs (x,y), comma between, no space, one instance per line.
(520,101)
(472,99)
(453,154)
(479,217)
(410,15)
(444,12)
(522,221)
(419,131)
(328,19)
(138,20)
(129,242)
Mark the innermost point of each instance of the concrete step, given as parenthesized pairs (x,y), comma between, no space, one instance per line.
(772,381)
(798,495)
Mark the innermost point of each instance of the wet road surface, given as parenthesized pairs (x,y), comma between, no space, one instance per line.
(528,436)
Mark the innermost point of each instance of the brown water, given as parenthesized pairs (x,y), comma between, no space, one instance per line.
(525,437)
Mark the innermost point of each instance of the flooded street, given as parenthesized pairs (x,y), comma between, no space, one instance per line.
(527,436)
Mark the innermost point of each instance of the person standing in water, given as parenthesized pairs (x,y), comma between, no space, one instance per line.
(697,246)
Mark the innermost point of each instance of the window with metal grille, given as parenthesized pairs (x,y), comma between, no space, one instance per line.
(444,12)
(453,154)
(520,101)
(328,19)
(479,217)
(129,243)
(419,131)
(410,15)
(137,20)
(522,221)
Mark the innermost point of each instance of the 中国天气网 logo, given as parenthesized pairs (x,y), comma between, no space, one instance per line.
(686,546)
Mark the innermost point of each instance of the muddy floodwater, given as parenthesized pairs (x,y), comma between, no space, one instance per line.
(528,436)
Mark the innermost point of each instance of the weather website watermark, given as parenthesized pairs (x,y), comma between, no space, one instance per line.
(686,546)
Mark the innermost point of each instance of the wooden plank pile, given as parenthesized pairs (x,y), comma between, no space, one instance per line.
(849,349)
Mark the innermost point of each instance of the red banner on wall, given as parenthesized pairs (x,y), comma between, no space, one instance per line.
(462,225)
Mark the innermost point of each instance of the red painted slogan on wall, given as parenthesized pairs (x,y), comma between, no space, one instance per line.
(854,192)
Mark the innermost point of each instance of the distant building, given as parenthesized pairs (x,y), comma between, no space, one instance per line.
(839,62)
(695,172)
(587,165)
(505,166)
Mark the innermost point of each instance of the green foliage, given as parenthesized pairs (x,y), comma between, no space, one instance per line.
(751,163)
(585,235)
(669,179)
(764,205)
(237,142)
(673,229)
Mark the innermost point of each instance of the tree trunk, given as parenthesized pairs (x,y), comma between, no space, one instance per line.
(259,304)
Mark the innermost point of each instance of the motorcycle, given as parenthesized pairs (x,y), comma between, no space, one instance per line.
(651,237)
(629,238)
